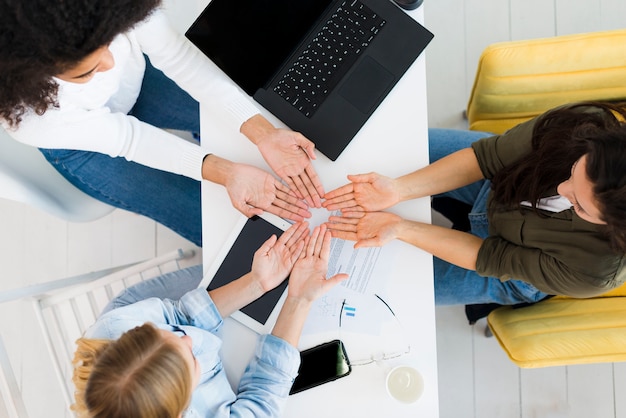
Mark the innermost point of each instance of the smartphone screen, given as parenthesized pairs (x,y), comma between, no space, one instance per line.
(320,364)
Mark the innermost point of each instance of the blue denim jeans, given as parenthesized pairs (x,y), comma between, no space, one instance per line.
(167,198)
(168,286)
(455,285)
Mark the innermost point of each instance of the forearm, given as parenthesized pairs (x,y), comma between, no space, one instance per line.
(456,247)
(451,172)
(236,294)
(291,320)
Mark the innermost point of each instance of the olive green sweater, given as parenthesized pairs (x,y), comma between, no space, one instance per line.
(560,254)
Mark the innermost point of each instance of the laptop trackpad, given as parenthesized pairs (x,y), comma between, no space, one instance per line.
(367,84)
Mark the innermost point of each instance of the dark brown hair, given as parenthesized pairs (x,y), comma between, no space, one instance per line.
(560,137)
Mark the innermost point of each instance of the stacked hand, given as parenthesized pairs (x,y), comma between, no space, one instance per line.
(359,202)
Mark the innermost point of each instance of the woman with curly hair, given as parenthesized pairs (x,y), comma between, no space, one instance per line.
(151,356)
(547,199)
(88,81)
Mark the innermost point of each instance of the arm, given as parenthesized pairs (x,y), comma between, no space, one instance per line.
(373,192)
(265,385)
(288,153)
(377,228)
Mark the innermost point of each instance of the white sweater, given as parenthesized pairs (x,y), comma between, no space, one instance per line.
(93,116)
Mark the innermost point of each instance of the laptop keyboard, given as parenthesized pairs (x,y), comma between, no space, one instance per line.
(329,56)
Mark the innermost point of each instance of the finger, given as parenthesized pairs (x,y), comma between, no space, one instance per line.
(307,239)
(348,236)
(297,209)
(350,205)
(336,279)
(342,227)
(249,211)
(293,188)
(284,193)
(325,249)
(369,242)
(286,235)
(333,220)
(315,179)
(309,148)
(266,247)
(349,214)
(340,191)
(296,251)
(284,213)
(298,234)
(362,178)
(301,188)
(310,250)
(311,190)
(320,241)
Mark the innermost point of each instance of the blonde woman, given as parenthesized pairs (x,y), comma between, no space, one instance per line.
(160,357)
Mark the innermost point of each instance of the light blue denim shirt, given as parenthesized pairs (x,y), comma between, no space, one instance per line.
(265,385)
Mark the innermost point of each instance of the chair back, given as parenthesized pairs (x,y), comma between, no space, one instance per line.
(26,176)
(65,308)
(518,80)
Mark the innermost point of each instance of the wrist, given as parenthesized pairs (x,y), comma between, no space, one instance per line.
(256,129)
(402,188)
(216,169)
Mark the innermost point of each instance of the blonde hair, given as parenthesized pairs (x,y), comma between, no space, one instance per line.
(139,375)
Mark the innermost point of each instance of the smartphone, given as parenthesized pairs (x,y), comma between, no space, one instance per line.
(321,364)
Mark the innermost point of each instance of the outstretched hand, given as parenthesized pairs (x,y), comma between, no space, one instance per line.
(366,193)
(275,258)
(368,229)
(252,191)
(308,278)
(289,154)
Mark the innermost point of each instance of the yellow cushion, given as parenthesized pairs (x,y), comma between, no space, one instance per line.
(563,331)
(519,80)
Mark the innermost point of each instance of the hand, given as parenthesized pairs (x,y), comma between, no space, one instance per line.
(368,229)
(275,258)
(366,192)
(289,154)
(252,191)
(308,277)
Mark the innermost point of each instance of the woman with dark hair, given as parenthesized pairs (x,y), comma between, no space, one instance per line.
(548,200)
(151,356)
(87,81)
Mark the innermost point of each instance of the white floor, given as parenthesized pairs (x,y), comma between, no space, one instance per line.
(476,379)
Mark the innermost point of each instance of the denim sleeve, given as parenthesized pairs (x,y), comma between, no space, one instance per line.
(195,308)
(265,385)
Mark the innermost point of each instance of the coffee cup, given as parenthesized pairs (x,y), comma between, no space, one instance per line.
(405,384)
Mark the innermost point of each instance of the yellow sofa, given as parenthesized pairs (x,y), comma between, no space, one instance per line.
(516,81)
(563,331)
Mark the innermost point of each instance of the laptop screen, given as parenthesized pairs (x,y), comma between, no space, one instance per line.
(250,39)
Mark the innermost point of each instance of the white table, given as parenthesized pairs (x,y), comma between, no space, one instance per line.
(393,142)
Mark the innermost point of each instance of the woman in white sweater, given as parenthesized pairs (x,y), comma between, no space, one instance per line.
(88,81)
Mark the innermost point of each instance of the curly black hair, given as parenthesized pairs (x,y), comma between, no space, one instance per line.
(42,38)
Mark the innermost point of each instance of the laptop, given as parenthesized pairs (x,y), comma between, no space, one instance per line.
(235,260)
(320,66)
